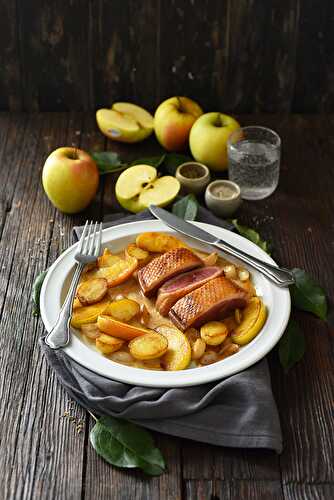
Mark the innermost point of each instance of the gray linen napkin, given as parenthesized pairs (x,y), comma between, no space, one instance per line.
(239,411)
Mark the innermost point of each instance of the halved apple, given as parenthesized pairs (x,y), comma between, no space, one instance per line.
(125,122)
(139,186)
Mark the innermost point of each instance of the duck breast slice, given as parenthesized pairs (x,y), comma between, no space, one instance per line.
(166,266)
(176,288)
(213,300)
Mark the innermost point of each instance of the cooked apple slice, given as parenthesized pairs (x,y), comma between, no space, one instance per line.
(107,344)
(117,329)
(123,310)
(116,274)
(92,291)
(138,187)
(125,122)
(253,318)
(91,331)
(178,355)
(158,242)
(141,255)
(107,259)
(88,314)
(148,346)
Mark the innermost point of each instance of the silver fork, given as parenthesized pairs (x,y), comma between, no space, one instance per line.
(89,249)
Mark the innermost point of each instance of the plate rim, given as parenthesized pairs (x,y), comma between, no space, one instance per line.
(164,379)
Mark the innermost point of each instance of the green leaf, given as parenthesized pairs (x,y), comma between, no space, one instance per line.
(291,346)
(173,160)
(124,444)
(154,161)
(36,291)
(186,208)
(251,235)
(307,295)
(108,162)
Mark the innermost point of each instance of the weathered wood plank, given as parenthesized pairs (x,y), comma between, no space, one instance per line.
(55,55)
(296,491)
(314,64)
(10,70)
(278,65)
(188,49)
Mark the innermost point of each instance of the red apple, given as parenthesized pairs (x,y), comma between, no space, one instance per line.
(173,120)
(70,179)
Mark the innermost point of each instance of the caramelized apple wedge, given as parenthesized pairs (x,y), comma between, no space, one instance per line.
(116,274)
(92,291)
(178,355)
(88,314)
(253,318)
(108,344)
(91,331)
(118,329)
(140,254)
(123,310)
(158,242)
(107,259)
(148,346)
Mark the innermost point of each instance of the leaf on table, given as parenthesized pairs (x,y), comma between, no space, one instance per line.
(36,291)
(186,208)
(124,444)
(173,160)
(291,346)
(154,161)
(251,235)
(307,295)
(108,162)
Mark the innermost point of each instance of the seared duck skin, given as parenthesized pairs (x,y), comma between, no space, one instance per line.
(210,301)
(176,288)
(166,266)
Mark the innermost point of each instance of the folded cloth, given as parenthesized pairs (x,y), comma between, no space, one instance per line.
(238,411)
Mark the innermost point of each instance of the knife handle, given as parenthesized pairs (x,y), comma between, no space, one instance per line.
(280,276)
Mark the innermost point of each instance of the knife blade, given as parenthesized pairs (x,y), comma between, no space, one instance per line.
(182,226)
(280,276)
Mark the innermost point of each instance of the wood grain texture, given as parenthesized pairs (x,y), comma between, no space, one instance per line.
(243,56)
(39,447)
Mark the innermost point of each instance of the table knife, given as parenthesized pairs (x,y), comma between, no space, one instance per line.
(280,276)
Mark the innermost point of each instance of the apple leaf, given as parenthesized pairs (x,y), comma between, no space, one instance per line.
(124,444)
(307,295)
(251,235)
(173,160)
(186,208)
(36,291)
(108,162)
(291,346)
(154,161)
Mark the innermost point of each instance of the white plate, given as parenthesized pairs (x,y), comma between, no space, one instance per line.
(276,299)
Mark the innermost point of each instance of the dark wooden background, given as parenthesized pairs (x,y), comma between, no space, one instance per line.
(232,55)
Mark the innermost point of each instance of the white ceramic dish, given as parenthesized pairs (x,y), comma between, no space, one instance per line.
(276,299)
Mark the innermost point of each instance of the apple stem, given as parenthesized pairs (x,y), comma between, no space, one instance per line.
(180,104)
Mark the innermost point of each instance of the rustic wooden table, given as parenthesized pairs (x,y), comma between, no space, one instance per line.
(42,457)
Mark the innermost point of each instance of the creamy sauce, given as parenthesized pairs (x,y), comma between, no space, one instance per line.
(223,192)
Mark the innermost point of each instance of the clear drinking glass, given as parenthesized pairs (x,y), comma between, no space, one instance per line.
(254,160)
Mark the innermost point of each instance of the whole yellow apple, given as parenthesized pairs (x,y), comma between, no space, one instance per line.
(208,139)
(173,120)
(70,179)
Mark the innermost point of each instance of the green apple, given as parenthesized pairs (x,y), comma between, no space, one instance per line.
(173,120)
(125,122)
(208,139)
(70,179)
(139,186)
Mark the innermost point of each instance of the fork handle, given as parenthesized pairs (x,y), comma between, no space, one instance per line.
(60,333)
(280,276)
